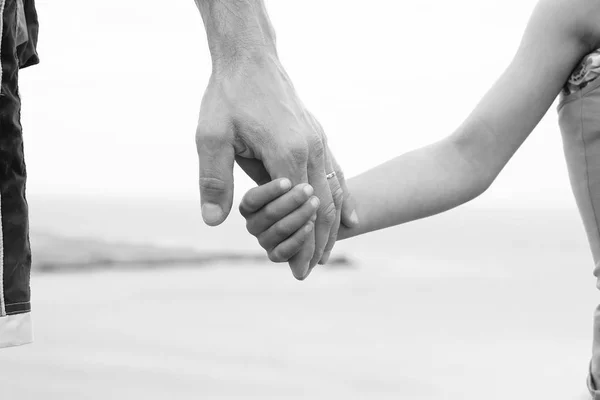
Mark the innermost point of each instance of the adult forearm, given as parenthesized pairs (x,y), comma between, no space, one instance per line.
(237,31)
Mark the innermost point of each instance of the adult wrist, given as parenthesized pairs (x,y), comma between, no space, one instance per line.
(238,32)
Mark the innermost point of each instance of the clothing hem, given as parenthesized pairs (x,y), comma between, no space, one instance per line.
(16,330)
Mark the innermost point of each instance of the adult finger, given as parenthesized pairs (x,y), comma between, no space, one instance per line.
(338,197)
(349,213)
(332,211)
(326,214)
(300,262)
(216,155)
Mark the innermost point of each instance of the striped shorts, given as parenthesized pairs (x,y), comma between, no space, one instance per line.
(18,29)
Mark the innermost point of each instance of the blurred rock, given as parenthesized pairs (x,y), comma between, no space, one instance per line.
(56,253)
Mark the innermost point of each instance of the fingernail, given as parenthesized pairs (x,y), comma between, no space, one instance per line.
(325,258)
(212,213)
(308,190)
(285,184)
(315,202)
(354,217)
(308,228)
(314,217)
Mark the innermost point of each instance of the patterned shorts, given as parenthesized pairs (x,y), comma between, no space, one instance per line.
(18,29)
(586,71)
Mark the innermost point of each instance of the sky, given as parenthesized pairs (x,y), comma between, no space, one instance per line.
(112,108)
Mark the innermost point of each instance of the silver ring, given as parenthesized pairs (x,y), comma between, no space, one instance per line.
(331,175)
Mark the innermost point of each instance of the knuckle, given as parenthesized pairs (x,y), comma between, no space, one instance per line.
(338,195)
(245,204)
(280,230)
(248,203)
(328,213)
(251,227)
(316,146)
(264,242)
(212,185)
(206,137)
(324,140)
(298,153)
(276,257)
(270,212)
(285,254)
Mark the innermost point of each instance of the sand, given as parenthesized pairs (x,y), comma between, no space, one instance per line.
(252,332)
(470,305)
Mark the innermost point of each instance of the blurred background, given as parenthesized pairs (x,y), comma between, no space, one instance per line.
(134,297)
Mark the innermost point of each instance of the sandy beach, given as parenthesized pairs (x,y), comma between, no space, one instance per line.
(508,319)
(252,332)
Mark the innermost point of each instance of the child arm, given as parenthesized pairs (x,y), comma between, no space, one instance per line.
(462,166)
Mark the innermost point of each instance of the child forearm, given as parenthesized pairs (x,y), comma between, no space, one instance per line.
(415,185)
(457,169)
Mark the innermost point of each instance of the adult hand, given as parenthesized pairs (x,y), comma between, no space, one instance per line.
(251,113)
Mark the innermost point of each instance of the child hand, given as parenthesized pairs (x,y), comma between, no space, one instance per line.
(281,217)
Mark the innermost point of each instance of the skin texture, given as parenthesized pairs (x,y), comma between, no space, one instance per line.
(280,216)
(457,169)
(251,114)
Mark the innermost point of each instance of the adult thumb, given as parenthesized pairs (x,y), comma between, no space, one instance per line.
(216,155)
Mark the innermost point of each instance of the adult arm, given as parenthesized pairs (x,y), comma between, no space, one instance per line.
(251,113)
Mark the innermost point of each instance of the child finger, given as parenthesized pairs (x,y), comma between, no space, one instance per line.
(276,210)
(286,227)
(292,245)
(256,198)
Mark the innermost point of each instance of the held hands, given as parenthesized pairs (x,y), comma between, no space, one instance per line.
(281,217)
(252,114)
